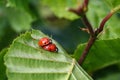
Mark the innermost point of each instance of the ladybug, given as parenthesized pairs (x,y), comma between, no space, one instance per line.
(44,41)
(50,47)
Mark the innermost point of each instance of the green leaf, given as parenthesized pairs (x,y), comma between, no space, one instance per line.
(2,66)
(2,23)
(19,15)
(105,51)
(111,30)
(6,33)
(112,3)
(19,20)
(19,4)
(112,76)
(108,73)
(97,10)
(26,60)
(59,7)
(102,54)
(7,37)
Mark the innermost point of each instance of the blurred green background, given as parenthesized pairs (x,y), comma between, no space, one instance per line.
(19,16)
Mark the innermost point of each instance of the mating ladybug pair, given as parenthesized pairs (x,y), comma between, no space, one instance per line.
(47,44)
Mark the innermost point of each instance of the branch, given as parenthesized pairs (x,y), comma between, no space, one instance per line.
(100,28)
(81,9)
(88,25)
(93,37)
(85,4)
(86,50)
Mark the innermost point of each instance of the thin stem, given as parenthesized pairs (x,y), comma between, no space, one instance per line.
(93,37)
(88,25)
(85,4)
(115,9)
(103,23)
(100,28)
(81,9)
(86,50)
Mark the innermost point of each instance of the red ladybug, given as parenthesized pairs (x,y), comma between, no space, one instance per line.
(44,41)
(51,47)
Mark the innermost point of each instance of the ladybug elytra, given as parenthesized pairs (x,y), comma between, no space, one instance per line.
(47,44)
(44,41)
(51,47)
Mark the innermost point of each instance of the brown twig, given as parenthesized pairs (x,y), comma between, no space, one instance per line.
(100,28)
(91,39)
(88,25)
(85,4)
(81,10)
(94,37)
(86,50)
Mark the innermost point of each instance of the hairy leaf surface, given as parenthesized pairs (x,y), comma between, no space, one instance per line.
(25,60)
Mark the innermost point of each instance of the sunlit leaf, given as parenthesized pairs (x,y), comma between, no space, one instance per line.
(26,60)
